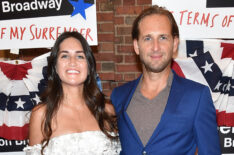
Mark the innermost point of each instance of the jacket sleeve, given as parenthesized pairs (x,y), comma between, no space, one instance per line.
(205,126)
(115,99)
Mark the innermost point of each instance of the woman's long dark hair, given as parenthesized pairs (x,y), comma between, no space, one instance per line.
(94,98)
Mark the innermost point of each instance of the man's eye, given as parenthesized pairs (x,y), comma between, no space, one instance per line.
(163,37)
(147,38)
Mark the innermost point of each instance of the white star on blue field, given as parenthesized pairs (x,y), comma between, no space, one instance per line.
(79,7)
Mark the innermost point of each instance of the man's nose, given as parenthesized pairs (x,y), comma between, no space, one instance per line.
(155,45)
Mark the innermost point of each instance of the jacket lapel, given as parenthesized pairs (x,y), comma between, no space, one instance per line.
(125,115)
(174,98)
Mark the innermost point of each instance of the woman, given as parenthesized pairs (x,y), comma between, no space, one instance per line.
(73,117)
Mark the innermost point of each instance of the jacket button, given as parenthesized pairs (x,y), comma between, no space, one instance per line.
(144,153)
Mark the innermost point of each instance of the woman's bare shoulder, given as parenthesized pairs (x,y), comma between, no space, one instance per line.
(35,124)
(38,111)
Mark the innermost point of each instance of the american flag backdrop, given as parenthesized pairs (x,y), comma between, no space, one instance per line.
(211,62)
(21,82)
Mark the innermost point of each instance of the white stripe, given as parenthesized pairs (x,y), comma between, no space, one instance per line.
(229,70)
(217,98)
(14,118)
(35,74)
(191,71)
(230,106)
(6,84)
(222,102)
(18,88)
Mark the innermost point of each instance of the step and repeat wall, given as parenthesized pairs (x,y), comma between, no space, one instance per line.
(206,55)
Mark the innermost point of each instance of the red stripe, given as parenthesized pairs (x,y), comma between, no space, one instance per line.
(177,69)
(228,50)
(15,72)
(14,133)
(225,119)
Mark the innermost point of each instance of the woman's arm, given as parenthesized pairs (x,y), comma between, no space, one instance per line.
(35,125)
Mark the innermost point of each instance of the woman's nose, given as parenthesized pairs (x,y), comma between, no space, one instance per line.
(72,61)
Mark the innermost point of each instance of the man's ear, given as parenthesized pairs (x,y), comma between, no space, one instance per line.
(176,41)
(136,47)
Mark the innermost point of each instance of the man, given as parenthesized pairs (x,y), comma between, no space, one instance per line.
(161,113)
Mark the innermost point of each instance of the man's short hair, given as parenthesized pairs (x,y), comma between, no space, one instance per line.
(151,11)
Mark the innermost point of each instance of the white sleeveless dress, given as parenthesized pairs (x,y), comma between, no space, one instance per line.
(84,143)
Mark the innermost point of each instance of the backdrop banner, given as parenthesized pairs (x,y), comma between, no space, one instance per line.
(37,23)
(21,84)
(211,62)
(202,18)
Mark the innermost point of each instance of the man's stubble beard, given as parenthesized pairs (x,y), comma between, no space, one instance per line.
(158,68)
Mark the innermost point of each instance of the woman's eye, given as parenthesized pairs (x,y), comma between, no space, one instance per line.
(64,56)
(80,57)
